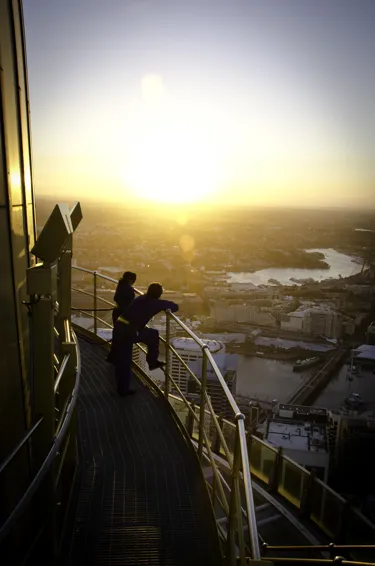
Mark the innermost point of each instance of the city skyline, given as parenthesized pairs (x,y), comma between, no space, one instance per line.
(253,103)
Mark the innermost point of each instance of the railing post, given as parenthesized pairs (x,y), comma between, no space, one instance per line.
(66,388)
(167,357)
(68,464)
(233,504)
(249,498)
(202,401)
(95,305)
(273,483)
(305,507)
(190,420)
(216,445)
(64,288)
(213,494)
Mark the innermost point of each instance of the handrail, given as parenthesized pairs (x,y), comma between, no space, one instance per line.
(14,453)
(192,335)
(44,468)
(243,459)
(324,547)
(335,560)
(93,296)
(205,438)
(186,328)
(249,497)
(61,372)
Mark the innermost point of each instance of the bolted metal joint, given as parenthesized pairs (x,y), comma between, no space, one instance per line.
(239,417)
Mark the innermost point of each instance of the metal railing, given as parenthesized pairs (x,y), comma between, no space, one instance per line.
(247,456)
(230,503)
(54,455)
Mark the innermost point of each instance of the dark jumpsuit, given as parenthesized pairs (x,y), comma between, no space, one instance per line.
(124,295)
(130,328)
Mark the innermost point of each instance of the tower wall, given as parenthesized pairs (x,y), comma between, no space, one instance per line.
(17,233)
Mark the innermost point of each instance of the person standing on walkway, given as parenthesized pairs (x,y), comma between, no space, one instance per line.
(124,294)
(130,328)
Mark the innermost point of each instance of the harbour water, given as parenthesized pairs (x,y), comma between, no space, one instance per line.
(273,379)
(340,264)
(332,397)
(267,379)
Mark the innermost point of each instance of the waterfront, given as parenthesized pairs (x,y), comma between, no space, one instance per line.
(267,379)
(340,264)
(332,397)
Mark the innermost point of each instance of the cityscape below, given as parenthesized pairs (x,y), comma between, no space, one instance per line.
(285,301)
(187,258)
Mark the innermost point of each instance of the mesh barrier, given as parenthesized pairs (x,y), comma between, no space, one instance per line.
(293,481)
(327,508)
(180,408)
(262,460)
(229,432)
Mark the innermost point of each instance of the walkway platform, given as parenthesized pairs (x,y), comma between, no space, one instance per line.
(141,497)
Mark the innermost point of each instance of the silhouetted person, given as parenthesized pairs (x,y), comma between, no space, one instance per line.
(130,328)
(124,294)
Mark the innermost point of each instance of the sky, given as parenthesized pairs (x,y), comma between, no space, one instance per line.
(246,102)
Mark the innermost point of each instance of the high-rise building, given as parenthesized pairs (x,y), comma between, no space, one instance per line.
(227,364)
(190,352)
(192,356)
(321,321)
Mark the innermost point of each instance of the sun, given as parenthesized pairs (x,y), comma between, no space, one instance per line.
(172,158)
(171,166)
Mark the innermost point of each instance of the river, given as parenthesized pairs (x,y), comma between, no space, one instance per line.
(340,264)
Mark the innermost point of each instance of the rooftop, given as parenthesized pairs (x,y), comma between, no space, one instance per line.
(189,344)
(299,314)
(297,435)
(225,362)
(365,352)
(288,344)
(304,410)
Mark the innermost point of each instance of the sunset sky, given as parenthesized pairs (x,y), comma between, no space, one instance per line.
(230,101)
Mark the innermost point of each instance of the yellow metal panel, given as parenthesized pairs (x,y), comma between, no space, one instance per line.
(3,173)
(30,229)
(11,402)
(15,402)
(9,87)
(23,102)
(20,264)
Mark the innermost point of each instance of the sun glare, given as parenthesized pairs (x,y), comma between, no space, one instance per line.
(172,158)
(172,167)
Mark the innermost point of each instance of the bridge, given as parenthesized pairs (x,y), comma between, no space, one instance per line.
(306,391)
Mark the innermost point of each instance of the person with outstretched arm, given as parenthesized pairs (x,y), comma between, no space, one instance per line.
(124,294)
(130,328)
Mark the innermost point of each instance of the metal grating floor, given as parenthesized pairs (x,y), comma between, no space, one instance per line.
(140,498)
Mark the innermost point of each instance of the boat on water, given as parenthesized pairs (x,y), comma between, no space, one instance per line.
(354,401)
(304,364)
